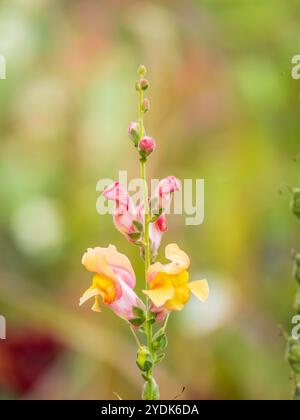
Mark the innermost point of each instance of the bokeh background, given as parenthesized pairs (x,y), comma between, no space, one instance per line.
(225,108)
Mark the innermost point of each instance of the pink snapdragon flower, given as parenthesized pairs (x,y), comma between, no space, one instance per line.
(161,201)
(125,213)
(113,281)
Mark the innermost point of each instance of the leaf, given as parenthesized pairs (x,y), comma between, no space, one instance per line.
(138,312)
(160,341)
(138,225)
(136,322)
(134,235)
(159,357)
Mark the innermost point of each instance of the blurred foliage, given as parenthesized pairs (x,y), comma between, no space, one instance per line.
(224,108)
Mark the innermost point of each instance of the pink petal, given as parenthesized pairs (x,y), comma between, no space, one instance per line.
(123,307)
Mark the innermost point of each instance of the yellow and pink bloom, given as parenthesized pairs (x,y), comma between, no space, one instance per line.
(169,286)
(113,281)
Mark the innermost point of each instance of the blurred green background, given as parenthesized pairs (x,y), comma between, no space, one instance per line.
(225,108)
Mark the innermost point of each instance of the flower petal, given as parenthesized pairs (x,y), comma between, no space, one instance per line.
(160,295)
(123,306)
(88,294)
(200,289)
(177,256)
(156,231)
(179,263)
(94,261)
(109,263)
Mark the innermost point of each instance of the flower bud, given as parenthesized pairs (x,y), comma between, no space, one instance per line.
(150,390)
(146,146)
(144,84)
(142,70)
(144,359)
(296,202)
(145,105)
(133,132)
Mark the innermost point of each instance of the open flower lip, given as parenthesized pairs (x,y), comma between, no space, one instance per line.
(168,284)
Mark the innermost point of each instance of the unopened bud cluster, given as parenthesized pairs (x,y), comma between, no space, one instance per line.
(145,144)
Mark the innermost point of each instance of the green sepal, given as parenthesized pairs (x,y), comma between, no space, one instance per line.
(160,341)
(134,235)
(138,312)
(138,225)
(159,357)
(137,322)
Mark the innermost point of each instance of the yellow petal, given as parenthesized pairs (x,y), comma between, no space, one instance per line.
(88,294)
(177,256)
(179,262)
(94,260)
(200,289)
(106,288)
(101,260)
(96,307)
(160,295)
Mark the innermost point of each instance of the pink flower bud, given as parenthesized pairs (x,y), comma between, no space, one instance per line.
(133,132)
(146,105)
(144,84)
(146,146)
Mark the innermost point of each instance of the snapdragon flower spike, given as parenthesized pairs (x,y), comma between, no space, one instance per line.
(161,201)
(169,288)
(113,281)
(126,215)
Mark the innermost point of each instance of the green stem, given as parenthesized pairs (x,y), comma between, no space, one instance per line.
(149,330)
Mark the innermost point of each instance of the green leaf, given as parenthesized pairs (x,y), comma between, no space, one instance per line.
(159,357)
(138,225)
(134,235)
(151,319)
(137,321)
(138,312)
(160,341)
